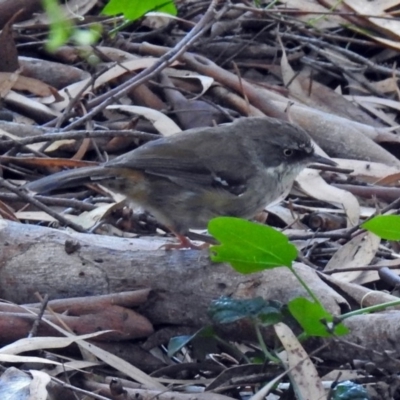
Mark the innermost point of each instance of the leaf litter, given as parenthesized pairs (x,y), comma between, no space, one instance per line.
(331,67)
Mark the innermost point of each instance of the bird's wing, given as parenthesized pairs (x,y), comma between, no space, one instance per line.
(182,164)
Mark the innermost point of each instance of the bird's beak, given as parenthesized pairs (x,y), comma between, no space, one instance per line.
(315,158)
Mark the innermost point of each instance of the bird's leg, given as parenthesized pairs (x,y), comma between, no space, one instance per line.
(184,243)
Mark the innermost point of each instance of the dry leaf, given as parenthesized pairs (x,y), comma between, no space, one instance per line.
(302,372)
(357,252)
(312,184)
(161,122)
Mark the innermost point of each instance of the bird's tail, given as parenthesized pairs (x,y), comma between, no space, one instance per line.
(69,178)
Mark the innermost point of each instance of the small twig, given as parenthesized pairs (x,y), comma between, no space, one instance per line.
(53,201)
(191,97)
(18,144)
(350,54)
(360,268)
(287,10)
(52,137)
(306,261)
(32,200)
(61,119)
(343,234)
(348,72)
(78,390)
(331,251)
(384,355)
(320,66)
(252,41)
(100,103)
(35,326)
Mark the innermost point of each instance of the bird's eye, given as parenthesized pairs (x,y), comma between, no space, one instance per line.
(288,152)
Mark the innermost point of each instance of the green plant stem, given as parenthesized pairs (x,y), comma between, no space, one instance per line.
(313,21)
(270,5)
(264,348)
(303,337)
(378,307)
(117,29)
(305,286)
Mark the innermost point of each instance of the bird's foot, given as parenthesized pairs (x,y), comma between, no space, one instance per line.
(184,243)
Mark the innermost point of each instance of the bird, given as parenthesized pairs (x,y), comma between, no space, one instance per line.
(186,179)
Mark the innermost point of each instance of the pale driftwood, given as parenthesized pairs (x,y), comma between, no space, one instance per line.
(183,283)
(146,394)
(372,337)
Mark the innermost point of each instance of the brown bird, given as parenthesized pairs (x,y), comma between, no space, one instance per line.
(187,179)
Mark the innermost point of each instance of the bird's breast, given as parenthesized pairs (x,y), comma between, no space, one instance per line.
(270,186)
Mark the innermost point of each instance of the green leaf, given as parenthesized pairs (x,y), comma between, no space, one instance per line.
(227,310)
(311,317)
(59,35)
(60,28)
(178,342)
(85,37)
(248,246)
(384,226)
(134,9)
